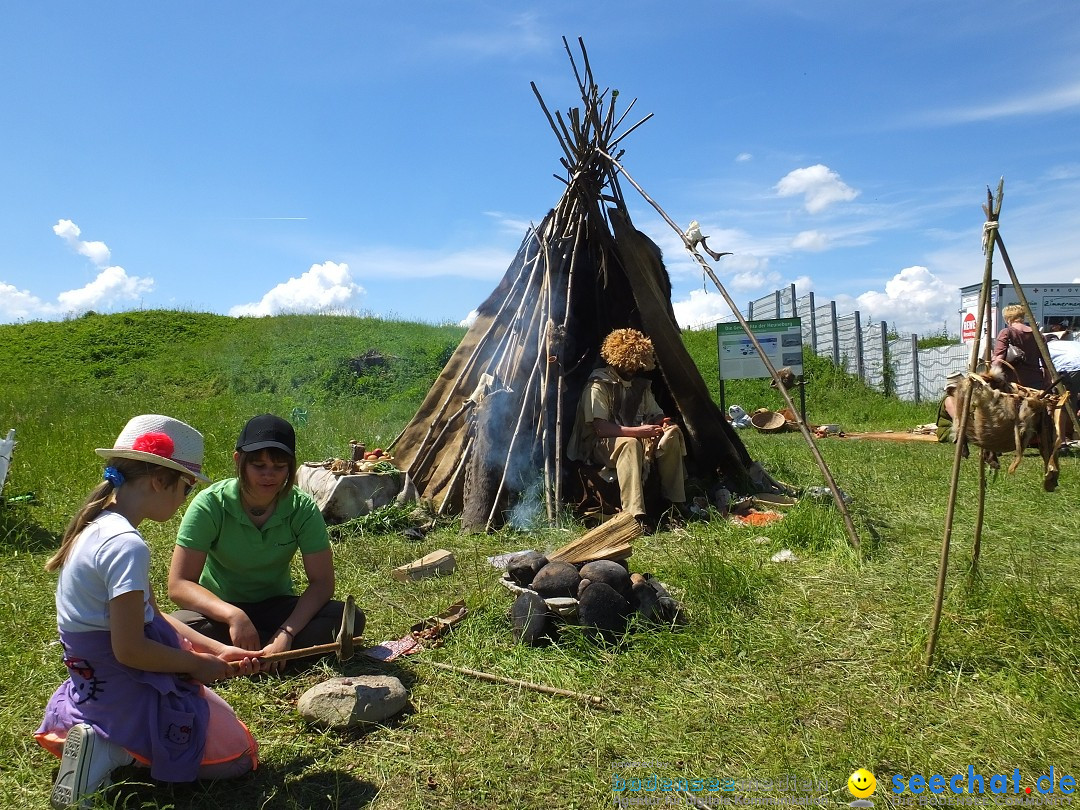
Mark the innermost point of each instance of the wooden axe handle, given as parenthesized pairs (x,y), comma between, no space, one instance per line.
(301,652)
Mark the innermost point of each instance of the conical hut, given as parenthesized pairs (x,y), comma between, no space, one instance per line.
(494,427)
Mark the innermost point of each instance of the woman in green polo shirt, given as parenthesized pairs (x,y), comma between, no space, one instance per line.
(230,571)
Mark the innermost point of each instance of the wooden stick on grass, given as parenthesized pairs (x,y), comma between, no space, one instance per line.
(590,700)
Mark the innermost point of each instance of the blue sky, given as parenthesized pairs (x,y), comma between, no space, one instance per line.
(386,159)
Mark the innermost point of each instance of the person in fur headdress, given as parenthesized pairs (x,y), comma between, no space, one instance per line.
(620,425)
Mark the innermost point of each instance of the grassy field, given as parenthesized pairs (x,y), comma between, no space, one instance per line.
(787,677)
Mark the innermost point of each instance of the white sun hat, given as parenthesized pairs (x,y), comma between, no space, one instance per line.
(160,440)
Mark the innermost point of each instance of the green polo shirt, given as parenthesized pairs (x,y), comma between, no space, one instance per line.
(243,563)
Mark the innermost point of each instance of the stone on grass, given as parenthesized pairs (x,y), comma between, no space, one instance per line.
(585,583)
(556,579)
(531,619)
(670,611)
(609,572)
(341,703)
(645,600)
(604,609)
(657,586)
(522,568)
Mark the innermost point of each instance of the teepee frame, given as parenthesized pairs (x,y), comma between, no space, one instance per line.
(991,239)
(492,431)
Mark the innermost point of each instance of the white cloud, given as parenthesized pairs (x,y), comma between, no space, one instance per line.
(469,319)
(97,252)
(325,287)
(914,300)
(112,286)
(509,224)
(743,157)
(1055,99)
(16,304)
(700,309)
(819,185)
(810,240)
(520,33)
(750,280)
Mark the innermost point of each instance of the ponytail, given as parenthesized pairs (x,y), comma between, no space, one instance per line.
(93,506)
(118,472)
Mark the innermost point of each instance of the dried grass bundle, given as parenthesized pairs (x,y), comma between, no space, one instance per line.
(608,541)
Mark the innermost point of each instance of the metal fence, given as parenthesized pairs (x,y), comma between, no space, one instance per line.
(898,366)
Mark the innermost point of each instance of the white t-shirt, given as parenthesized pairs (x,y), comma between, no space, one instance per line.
(108,559)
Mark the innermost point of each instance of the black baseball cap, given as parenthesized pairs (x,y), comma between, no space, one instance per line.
(265,431)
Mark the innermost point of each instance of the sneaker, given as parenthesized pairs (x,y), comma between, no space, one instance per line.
(85,767)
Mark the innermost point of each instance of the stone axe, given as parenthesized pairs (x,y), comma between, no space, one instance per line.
(343,644)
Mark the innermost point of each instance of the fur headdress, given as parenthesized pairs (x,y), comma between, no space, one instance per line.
(628,350)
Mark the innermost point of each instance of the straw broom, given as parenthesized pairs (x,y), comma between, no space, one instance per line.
(608,541)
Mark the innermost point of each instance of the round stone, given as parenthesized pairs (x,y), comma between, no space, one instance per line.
(602,608)
(609,572)
(645,601)
(522,568)
(556,579)
(341,703)
(531,619)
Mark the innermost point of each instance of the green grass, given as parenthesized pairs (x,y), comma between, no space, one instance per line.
(809,669)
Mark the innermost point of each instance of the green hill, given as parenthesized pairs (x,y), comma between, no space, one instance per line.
(788,677)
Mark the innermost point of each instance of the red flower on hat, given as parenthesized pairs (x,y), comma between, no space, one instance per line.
(160,444)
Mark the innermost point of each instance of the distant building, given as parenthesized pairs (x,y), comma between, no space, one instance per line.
(1053,305)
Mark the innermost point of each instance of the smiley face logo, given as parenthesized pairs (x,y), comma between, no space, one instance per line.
(862,784)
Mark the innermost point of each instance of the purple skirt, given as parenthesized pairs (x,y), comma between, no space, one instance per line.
(159,717)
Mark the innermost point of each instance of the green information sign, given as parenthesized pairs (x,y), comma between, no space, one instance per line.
(780,338)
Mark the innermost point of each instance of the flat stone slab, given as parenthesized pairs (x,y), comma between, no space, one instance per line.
(341,703)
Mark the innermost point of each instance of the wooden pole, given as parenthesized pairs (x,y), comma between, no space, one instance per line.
(980,509)
(525,400)
(456,475)
(853,537)
(561,379)
(544,348)
(915,372)
(993,211)
(420,461)
(980,512)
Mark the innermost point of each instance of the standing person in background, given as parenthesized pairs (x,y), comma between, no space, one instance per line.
(230,569)
(1017,353)
(123,701)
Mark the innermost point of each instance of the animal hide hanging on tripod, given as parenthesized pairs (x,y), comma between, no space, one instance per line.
(1006,417)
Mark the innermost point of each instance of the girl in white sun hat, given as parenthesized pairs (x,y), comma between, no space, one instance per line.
(125,699)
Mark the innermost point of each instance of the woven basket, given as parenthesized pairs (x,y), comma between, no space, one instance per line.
(768,421)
